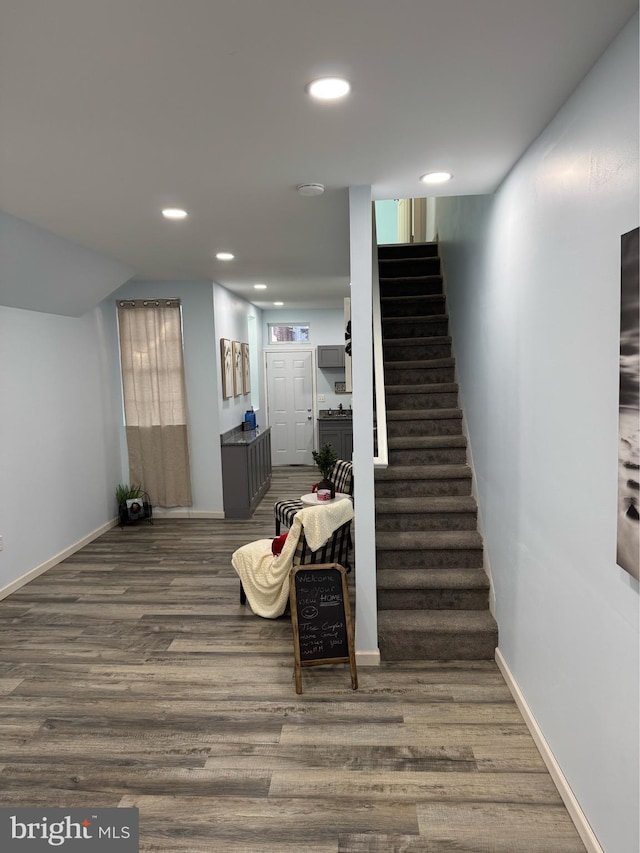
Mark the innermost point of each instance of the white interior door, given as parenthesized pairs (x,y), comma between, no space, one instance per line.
(290,406)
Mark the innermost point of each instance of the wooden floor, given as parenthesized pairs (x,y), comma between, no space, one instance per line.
(130,675)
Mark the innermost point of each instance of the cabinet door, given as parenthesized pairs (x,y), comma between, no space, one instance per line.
(328,434)
(331,356)
(347,444)
(253,469)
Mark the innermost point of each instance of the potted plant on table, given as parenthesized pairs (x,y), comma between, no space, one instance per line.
(325,459)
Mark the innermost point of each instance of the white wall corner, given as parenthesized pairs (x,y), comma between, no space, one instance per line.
(576,814)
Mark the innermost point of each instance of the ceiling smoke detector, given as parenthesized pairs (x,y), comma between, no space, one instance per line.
(310,189)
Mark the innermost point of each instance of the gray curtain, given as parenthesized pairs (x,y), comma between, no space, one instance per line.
(155,400)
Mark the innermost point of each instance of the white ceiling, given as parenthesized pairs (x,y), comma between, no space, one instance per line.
(113,109)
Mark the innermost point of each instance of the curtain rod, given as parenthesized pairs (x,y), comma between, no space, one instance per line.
(133,303)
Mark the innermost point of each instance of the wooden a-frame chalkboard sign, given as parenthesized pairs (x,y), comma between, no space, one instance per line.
(321,618)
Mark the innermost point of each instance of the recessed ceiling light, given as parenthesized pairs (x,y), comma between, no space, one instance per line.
(174,213)
(260,286)
(224,256)
(329,88)
(278,303)
(436,177)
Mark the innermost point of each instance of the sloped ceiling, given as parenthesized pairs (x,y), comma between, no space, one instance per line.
(111,110)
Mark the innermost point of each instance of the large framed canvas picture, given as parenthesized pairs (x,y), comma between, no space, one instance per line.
(226,366)
(628,546)
(246,370)
(237,368)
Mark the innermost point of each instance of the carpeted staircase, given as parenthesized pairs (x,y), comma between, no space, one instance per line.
(433,593)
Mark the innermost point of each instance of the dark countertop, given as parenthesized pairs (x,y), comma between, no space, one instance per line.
(241,437)
(336,415)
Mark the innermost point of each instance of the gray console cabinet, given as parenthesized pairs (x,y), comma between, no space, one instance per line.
(246,470)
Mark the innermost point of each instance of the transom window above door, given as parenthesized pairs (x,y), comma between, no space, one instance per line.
(283,333)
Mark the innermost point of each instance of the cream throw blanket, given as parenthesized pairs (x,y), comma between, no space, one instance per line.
(265,578)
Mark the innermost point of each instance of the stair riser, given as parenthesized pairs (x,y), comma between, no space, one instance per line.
(411,286)
(406,645)
(415,351)
(414,308)
(418,327)
(435,426)
(423,456)
(422,401)
(423,488)
(401,267)
(432,599)
(402,522)
(394,374)
(408,250)
(431,558)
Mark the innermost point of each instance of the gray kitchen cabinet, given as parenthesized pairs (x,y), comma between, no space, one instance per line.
(338,432)
(331,356)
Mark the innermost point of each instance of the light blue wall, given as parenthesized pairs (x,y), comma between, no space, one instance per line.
(533,291)
(40,271)
(231,322)
(386,221)
(326,326)
(59,454)
(202,381)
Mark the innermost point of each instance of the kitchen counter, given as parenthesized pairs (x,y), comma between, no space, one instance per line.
(336,415)
(237,437)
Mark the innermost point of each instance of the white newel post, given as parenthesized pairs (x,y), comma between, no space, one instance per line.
(362,364)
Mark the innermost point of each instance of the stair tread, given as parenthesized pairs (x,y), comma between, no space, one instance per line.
(422,414)
(422,472)
(430,503)
(434,276)
(412,258)
(431,318)
(425,442)
(437,621)
(414,297)
(423,388)
(418,540)
(425,363)
(424,339)
(432,579)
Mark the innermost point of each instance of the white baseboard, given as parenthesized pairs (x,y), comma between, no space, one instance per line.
(53,561)
(159,512)
(368,658)
(564,789)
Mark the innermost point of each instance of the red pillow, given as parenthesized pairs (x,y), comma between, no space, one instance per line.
(278,544)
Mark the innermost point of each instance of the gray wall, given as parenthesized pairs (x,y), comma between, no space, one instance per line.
(533,280)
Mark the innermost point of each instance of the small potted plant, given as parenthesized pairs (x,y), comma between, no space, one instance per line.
(325,459)
(133,503)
